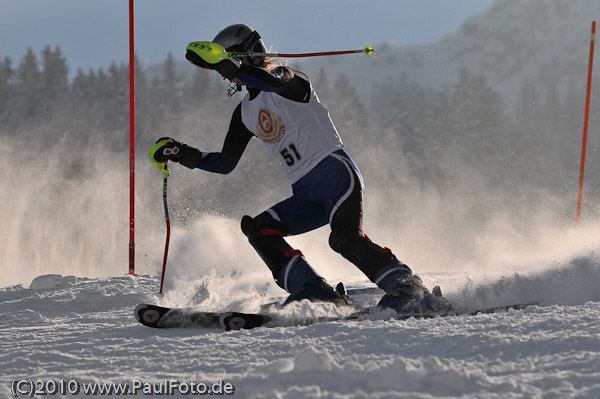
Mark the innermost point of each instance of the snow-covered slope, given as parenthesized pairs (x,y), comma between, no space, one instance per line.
(78,329)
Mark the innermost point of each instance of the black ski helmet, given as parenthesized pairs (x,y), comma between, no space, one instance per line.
(242,38)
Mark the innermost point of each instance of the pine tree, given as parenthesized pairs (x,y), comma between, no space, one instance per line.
(7,75)
(117,108)
(54,80)
(347,110)
(170,83)
(84,110)
(27,94)
(81,89)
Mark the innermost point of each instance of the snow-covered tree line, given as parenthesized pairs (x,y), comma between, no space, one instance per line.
(459,139)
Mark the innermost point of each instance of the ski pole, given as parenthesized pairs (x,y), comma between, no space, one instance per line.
(367,50)
(214,52)
(162,277)
(166,173)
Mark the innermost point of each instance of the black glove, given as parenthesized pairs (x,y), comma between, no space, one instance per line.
(197,60)
(177,151)
(170,151)
(227,68)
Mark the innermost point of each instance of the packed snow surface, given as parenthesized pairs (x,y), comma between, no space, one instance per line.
(66,328)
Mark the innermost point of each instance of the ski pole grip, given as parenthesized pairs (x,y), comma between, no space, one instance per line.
(160,165)
(210,52)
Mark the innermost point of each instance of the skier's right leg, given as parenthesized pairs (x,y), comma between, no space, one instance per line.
(290,269)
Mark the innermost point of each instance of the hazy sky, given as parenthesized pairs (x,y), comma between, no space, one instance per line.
(92,33)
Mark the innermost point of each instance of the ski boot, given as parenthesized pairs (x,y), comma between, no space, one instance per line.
(319,291)
(411,296)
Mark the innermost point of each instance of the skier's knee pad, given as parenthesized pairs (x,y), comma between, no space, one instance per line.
(360,250)
(248,226)
(264,224)
(346,241)
(266,234)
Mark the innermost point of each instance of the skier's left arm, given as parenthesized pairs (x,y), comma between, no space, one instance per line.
(222,162)
(282,80)
(235,143)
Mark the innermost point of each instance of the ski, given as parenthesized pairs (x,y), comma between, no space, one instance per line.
(163,317)
(441,313)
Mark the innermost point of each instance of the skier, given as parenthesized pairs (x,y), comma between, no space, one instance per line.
(282,109)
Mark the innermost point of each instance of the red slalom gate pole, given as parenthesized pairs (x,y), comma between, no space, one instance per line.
(585,124)
(131,143)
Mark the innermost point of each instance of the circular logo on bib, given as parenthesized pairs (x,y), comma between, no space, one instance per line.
(270,126)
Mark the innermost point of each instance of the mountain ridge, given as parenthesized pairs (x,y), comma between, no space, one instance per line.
(510,43)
